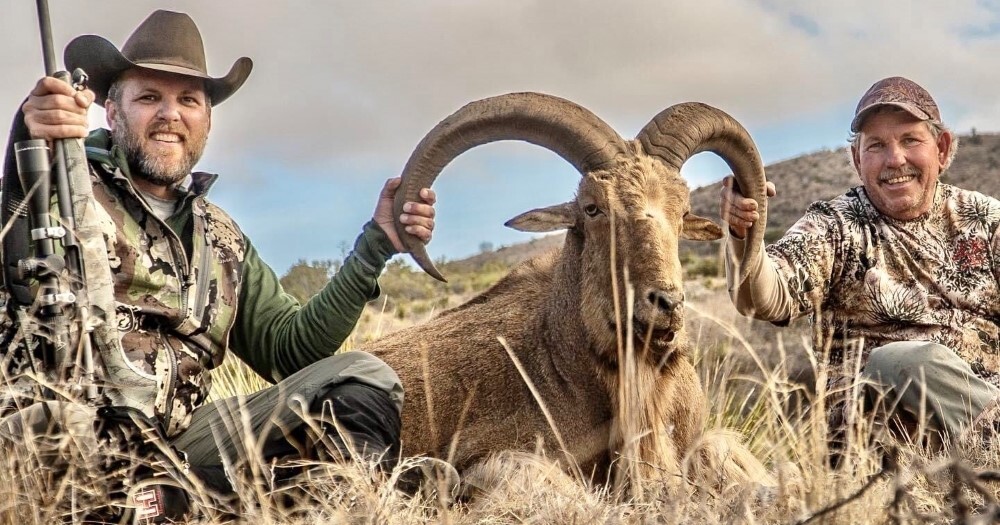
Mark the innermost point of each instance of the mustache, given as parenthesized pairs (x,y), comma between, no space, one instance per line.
(892,173)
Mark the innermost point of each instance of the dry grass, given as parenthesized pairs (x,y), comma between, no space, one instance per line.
(754,387)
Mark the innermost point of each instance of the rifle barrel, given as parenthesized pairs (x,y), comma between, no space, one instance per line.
(45,29)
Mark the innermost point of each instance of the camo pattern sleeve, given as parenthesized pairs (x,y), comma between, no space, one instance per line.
(793,274)
(809,256)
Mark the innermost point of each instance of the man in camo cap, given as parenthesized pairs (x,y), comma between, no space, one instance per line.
(900,273)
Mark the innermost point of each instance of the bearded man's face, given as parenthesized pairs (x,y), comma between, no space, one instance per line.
(161,121)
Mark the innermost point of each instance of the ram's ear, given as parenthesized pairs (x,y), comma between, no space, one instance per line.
(553,218)
(700,229)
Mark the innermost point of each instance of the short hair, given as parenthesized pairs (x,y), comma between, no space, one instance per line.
(935,127)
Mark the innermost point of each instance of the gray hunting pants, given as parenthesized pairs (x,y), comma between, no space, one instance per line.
(926,385)
(363,392)
(275,423)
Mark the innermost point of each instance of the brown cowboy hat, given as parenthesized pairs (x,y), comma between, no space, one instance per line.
(165,41)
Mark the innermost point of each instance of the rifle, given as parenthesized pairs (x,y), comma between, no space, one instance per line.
(75,294)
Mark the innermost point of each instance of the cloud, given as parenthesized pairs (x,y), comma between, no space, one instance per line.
(346,89)
(367,79)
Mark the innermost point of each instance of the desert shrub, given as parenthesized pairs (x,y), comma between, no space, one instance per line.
(702,267)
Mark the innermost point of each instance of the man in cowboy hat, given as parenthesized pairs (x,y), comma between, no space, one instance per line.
(189,285)
(899,272)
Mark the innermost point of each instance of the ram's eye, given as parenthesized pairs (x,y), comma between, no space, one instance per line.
(591,210)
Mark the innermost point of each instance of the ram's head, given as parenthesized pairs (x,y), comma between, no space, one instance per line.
(631,209)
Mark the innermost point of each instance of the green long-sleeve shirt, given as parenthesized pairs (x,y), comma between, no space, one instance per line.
(277,337)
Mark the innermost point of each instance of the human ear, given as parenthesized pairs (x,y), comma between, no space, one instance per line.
(109,113)
(945,142)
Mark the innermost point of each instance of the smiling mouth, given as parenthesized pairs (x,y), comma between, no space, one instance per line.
(899,180)
(169,138)
(902,175)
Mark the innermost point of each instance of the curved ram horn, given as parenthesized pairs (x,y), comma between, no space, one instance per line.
(683,130)
(569,130)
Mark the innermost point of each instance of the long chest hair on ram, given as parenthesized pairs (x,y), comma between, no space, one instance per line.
(581,353)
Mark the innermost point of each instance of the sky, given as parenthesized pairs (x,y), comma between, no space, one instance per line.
(342,91)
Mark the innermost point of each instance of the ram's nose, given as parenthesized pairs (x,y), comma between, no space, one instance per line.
(664,302)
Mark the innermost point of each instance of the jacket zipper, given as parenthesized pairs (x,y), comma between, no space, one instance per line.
(171,379)
(203,274)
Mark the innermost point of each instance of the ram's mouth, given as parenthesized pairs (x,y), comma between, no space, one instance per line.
(642,332)
(654,335)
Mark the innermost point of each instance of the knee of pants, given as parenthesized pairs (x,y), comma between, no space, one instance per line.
(367,414)
(898,363)
(360,367)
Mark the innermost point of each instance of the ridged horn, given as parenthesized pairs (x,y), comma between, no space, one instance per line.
(680,131)
(571,131)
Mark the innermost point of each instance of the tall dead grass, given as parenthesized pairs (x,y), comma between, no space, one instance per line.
(754,388)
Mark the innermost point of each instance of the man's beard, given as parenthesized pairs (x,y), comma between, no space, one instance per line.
(158,170)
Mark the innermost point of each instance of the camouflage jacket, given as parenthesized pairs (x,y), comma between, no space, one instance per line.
(873,280)
(190,288)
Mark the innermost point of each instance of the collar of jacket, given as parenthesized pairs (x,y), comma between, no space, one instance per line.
(112,159)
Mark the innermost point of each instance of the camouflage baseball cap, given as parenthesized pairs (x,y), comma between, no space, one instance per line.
(900,92)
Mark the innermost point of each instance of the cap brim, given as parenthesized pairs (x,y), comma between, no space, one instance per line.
(864,113)
(103,62)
